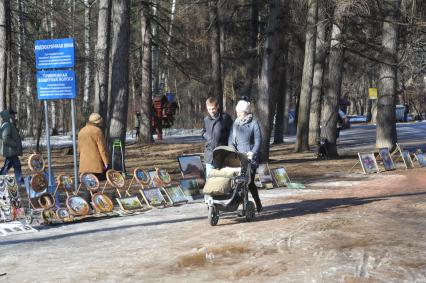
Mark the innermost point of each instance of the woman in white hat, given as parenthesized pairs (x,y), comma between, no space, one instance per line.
(246,138)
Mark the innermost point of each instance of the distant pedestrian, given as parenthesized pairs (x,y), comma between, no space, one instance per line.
(246,138)
(137,124)
(10,145)
(217,126)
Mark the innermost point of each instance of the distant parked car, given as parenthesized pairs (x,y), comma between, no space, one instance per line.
(357,119)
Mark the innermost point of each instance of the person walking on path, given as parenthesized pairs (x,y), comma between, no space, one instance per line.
(137,124)
(93,156)
(10,145)
(216,129)
(246,138)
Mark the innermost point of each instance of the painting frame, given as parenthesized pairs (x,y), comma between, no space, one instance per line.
(175,194)
(406,157)
(153,197)
(388,163)
(421,159)
(141,176)
(368,162)
(129,203)
(190,187)
(280,176)
(265,177)
(191,166)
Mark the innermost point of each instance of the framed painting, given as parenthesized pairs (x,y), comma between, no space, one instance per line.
(36,163)
(115,178)
(65,182)
(155,180)
(387,160)
(191,166)
(38,182)
(141,176)
(153,197)
(265,176)
(280,176)
(421,159)
(368,163)
(102,203)
(164,177)
(129,203)
(407,159)
(89,181)
(175,194)
(190,187)
(77,205)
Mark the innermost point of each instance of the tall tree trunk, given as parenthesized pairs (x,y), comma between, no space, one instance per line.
(320,52)
(251,66)
(169,40)
(102,58)
(3,58)
(146,97)
(216,70)
(281,93)
(87,71)
(386,135)
(334,84)
(9,51)
(19,67)
(266,103)
(120,73)
(155,50)
(302,136)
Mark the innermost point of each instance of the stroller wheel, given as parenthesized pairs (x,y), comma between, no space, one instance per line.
(213,215)
(250,211)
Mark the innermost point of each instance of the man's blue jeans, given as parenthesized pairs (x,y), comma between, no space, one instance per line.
(8,163)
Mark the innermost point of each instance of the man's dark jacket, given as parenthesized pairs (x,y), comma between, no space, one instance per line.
(215,132)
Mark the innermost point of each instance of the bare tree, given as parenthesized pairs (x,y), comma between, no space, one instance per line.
(216,70)
(102,58)
(120,70)
(334,82)
(386,135)
(302,135)
(266,103)
(3,58)
(317,82)
(87,54)
(146,98)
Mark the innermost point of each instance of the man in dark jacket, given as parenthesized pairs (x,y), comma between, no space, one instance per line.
(217,126)
(10,145)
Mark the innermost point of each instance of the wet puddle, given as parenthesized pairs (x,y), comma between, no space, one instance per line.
(213,255)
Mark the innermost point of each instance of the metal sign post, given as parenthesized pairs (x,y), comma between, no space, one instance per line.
(74,144)
(49,158)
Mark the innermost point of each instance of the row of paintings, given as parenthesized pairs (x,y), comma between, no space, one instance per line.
(276,177)
(369,161)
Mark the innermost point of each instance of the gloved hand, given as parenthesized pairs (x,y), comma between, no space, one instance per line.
(250,155)
(106,167)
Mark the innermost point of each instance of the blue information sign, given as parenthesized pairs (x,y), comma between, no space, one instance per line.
(56,84)
(54,53)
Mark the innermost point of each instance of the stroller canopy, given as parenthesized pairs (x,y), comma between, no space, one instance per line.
(227,156)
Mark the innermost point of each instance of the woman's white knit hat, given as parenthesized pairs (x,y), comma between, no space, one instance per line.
(243,106)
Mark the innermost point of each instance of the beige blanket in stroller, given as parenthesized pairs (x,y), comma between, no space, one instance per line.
(219,181)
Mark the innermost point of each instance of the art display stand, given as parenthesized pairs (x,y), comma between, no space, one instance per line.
(396,154)
(368,163)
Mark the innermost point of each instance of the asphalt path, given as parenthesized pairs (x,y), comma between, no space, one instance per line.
(359,138)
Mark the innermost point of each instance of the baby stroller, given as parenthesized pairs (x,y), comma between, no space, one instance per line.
(227,185)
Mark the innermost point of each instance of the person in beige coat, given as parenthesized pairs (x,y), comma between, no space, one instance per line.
(93,155)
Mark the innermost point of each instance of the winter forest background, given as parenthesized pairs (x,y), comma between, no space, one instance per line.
(284,54)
